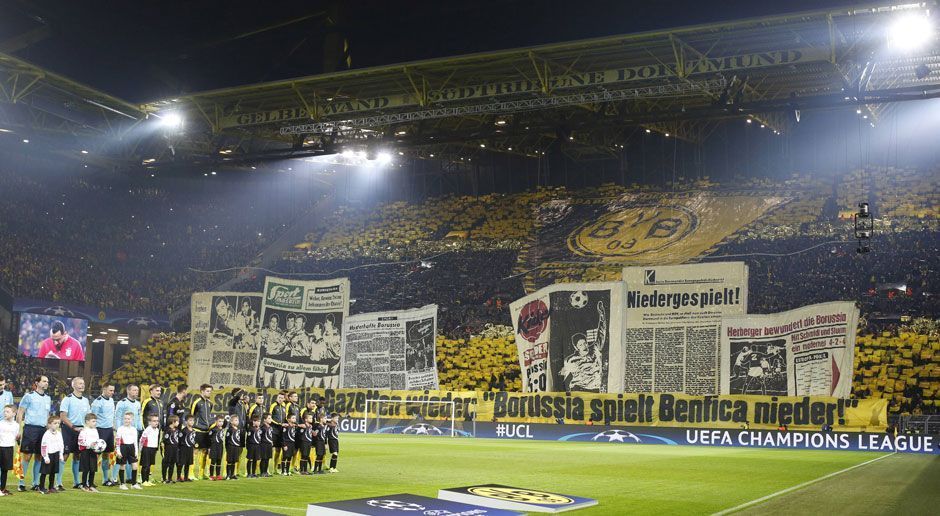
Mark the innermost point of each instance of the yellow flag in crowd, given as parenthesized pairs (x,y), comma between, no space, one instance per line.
(18,467)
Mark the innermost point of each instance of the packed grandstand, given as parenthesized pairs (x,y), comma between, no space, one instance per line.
(472,256)
(498,249)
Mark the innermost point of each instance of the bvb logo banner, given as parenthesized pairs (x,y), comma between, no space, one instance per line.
(633,231)
(592,236)
(521,495)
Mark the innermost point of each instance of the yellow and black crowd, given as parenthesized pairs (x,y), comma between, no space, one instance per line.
(464,254)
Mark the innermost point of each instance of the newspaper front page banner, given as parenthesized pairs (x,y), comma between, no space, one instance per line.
(224,338)
(391,350)
(808,351)
(673,320)
(301,339)
(569,337)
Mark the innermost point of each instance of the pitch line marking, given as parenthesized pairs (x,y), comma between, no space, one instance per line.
(798,486)
(177,499)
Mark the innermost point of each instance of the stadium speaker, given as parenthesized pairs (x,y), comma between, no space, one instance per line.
(864,227)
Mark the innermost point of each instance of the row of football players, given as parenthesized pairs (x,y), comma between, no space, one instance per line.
(227,439)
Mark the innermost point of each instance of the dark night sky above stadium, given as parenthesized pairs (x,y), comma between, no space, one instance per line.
(146,49)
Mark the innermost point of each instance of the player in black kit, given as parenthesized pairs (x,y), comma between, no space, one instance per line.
(267,444)
(216,448)
(332,440)
(320,446)
(307,438)
(289,438)
(171,441)
(187,443)
(234,442)
(253,446)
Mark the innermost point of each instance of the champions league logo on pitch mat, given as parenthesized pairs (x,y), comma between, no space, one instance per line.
(395,505)
(404,503)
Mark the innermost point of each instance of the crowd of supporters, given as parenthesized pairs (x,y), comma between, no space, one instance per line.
(902,365)
(164,359)
(128,243)
(463,254)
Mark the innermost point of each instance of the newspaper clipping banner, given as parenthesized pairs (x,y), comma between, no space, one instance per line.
(530,318)
(301,339)
(804,352)
(391,350)
(224,338)
(673,322)
(569,338)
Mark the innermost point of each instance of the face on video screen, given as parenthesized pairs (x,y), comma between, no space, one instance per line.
(45,336)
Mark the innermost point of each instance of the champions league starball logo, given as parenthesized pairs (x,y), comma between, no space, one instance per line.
(142,322)
(616,436)
(422,429)
(59,310)
(395,505)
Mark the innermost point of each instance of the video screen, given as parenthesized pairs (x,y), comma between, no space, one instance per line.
(48,336)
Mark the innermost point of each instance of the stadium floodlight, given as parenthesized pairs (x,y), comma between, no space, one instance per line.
(910,32)
(171,120)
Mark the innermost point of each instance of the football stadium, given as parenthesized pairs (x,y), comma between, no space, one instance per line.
(511,257)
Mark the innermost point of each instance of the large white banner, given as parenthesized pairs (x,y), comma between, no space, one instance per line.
(224,338)
(804,352)
(391,350)
(301,338)
(673,321)
(569,337)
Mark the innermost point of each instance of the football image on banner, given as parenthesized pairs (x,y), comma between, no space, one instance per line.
(804,352)
(569,334)
(225,338)
(301,338)
(391,350)
(673,319)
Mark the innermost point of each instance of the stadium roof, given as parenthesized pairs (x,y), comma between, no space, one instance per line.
(592,93)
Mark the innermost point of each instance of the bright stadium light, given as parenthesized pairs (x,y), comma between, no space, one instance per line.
(172,120)
(910,32)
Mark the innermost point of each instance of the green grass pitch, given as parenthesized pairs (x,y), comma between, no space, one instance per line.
(625,479)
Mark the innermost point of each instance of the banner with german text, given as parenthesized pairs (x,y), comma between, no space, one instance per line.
(301,338)
(808,351)
(673,319)
(225,335)
(656,409)
(391,350)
